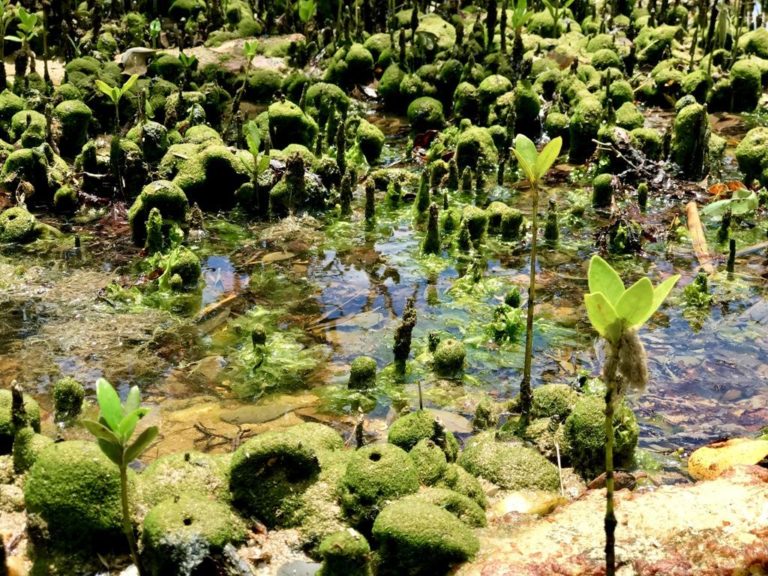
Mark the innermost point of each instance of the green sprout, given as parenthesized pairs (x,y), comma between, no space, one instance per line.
(616,313)
(155,27)
(113,431)
(534,165)
(7,15)
(116,93)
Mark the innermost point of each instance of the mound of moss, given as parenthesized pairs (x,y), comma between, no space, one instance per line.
(167,197)
(410,429)
(7,427)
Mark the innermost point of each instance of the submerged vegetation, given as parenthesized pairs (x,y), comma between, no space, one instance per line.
(307,234)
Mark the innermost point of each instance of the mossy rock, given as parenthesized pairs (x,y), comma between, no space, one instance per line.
(553,400)
(448,358)
(429,460)
(629,117)
(620,92)
(186,9)
(362,373)
(690,140)
(74,117)
(410,429)
(585,123)
(359,62)
(184,535)
(585,433)
(326,96)
(697,83)
(345,553)
(461,506)
(653,43)
(262,84)
(72,494)
(68,396)
(152,138)
(475,148)
(371,141)
(289,125)
(186,265)
(389,86)
(443,30)
(163,195)
(10,104)
(752,153)
(755,42)
(7,429)
(184,473)
(649,141)
(375,475)
(491,88)
(212,177)
(27,446)
(18,226)
(28,126)
(466,101)
(606,58)
(510,466)
(476,220)
(425,113)
(29,165)
(746,82)
(418,538)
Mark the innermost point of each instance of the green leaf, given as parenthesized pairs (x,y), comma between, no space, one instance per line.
(141,444)
(603,278)
(100,431)
(741,202)
(129,84)
(109,403)
(635,303)
(307,9)
(602,316)
(104,88)
(526,149)
(660,294)
(252,137)
(114,453)
(133,401)
(14,39)
(548,156)
(128,424)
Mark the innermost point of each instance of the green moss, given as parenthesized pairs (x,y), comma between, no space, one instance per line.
(606,58)
(690,139)
(181,534)
(163,195)
(17,226)
(345,553)
(585,123)
(466,101)
(443,31)
(510,466)
(411,428)
(186,9)
(263,84)
(203,134)
(10,104)
(7,429)
(652,43)
(29,127)
(375,474)
(752,153)
(491,88)
(620,91)
(461,506)
(461,481)
(65,199)
(168,67)
(629,117)
(27,446)
(649,141)
(371,141)
(475,148)
(418,538)
(553,400)
(184,473)
(359,62)
(585,433)
(755,42)
(288,125)
(476,220)
(74,117)
(697,84)
(68,395)
(556,124)
(328,97)
(746,82)
(152,138)
(425,113)
(74,489)
(211,177)
(449,356)
(389,86)
(429,460)
(362,373)
(65,92)
(186,265)
(30,165)
(602,190)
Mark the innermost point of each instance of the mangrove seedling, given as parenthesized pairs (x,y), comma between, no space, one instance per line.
(616,313)
(534,165)
(155,27)
(115,94)
(7,15)
(260,163)
(114,430)
(27,29)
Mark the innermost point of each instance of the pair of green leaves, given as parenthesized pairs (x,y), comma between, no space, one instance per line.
(117,423)
(612,308)
(253,139)
(741,202)
(533,163)
(115,93)
(28,26)
(520,14)
(307,10)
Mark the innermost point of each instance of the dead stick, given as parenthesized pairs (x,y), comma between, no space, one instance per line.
(697,237)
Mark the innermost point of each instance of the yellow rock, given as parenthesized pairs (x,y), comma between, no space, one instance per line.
(711,461)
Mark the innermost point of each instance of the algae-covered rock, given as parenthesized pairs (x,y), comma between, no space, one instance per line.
(425,113)
(27,165)
(553,400)
(746,84)
(752,153)
(449,357)
(585,433)
(418,538)
(184,473)
(510,466)
(429,460)
(68,395)
(27,446)
(73,489)
(459,480)
(584,125)
(152,138)
(362,373)
(345,553)
(376,474)
(167,197)
(185,265)
(690,140)
(371,140)
(289,125)
(18,226)
(629,117)
(212,177)
(461,506)
(409,430)
(74,117)
(7,428)
(475,148)
(182,534)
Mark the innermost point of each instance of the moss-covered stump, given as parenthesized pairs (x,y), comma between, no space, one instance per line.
(28,128)
(270,473)
(74,117)
(690,140)
(345,553)
(375,475)
(167,197)
(191,473)
(7,427)
(584,125)
(371,141)
(585,433)
(72,494)
(425,113)
(184,535)
(461,506)
(212,177)
(18,226)
(475,148)
(409,430)
(510,466)
(418,538)
(152,138)
(28,165)
(27,446)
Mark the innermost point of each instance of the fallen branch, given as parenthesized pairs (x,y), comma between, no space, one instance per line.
(698,239)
